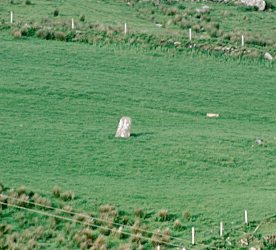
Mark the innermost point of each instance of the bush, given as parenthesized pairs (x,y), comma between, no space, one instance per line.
(44,34)
(66,196)
(138,212)
(28,2)
(187,215)
(16,34)
(56,12)
(177,224)
(27,30)
(82,18)
(163,215)
(59,35)
(56,191)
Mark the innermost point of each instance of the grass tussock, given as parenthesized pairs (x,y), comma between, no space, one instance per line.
(163,215)
(67,196)
(56,191)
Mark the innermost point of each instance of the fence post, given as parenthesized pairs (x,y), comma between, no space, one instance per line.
(245,217)
(221,229)
(242,40)
(11,17)
(72,24)
(125,29)
(190,34)
(193,235)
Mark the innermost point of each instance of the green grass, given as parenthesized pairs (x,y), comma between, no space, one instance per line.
(60,104)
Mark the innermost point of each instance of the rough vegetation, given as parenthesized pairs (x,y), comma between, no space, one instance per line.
(215,27)
(29,222)
(63,91)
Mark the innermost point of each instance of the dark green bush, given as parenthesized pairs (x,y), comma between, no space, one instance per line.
(56,12)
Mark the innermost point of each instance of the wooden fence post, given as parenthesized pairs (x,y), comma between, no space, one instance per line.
(245,217)
(221,229)
(72,24)
(11,17)
(125,29)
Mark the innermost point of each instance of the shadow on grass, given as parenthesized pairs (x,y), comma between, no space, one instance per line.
(140,134)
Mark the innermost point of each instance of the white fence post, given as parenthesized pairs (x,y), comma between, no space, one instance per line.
(221,229)
(245,217)
(193,235)
(72,24)
(242,40)
(190,34)
(11,17)
(125,29)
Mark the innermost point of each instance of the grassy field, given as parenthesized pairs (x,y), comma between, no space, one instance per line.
(60,104)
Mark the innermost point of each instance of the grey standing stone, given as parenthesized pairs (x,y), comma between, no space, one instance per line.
(124,127)
(260,4)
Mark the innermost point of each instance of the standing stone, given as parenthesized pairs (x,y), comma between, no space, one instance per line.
(124,127)
(260,4)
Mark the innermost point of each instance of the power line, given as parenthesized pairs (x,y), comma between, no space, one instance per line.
(84,214)
(84,223)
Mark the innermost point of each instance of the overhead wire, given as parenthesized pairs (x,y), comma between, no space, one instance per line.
(80,222)
(86,214)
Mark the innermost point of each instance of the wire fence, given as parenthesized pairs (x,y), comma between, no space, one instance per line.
(199,234)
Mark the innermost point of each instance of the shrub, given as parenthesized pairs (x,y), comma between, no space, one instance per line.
(171,12)
(185,24)
(187,215)
(138,212)
(181,6)
(177,19)
(125,246)
(156,238)
(56,191)
(106,208)
(68,195)
(44,34)
(59,35)
(118,233)
(21,190)
(70,36)
(41,201)
(27,30)
(82,18)
(60,239)
(166,235)
(177,224)
(23,200)
(28,2)
(196,27)
(82,217)
(68,208)
(56,12)
(163,215)
(100,243)
(16,34)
